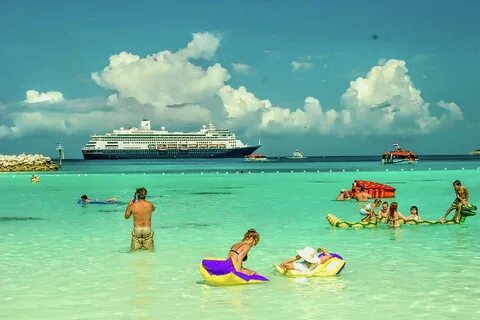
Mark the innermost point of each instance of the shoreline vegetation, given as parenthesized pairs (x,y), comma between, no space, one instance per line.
(26,162)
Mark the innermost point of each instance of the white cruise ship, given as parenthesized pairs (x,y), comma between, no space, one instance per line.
(145,143)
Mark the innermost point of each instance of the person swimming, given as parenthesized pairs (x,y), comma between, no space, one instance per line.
(84,199)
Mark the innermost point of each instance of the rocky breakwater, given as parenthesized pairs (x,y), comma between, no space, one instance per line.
(26,162)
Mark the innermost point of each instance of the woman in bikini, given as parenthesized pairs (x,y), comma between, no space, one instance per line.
(239,251)
(369,211)
(394,216)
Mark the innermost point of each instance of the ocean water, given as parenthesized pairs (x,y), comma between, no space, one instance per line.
(61,260)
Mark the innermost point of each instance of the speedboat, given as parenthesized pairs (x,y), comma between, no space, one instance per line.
(399,156)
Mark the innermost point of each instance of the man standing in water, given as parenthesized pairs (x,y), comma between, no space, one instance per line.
(142,234)
(460,201)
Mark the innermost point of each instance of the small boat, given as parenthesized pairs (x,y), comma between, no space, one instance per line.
(475,152)
(399,156)
(297,154)
(255,157)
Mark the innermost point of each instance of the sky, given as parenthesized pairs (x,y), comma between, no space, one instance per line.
(326,77)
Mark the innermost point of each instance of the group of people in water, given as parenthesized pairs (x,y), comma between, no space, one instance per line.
(142,236)
(390,214)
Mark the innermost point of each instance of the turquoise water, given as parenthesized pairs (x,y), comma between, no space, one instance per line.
(60,260)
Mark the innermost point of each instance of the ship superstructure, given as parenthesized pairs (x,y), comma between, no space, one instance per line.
(145,143)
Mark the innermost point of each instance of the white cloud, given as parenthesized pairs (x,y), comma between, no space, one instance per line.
(298,65)
(33,96)
(310,118)
(166,78)
(238,103)
(387,101)
(241,68)
(453,109)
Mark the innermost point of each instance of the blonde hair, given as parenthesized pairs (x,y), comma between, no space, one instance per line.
(252,234)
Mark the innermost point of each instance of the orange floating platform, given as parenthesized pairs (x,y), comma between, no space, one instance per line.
(374,189)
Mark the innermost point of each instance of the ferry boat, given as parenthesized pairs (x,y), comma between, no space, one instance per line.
(399,156)
(145,143)
(255,157)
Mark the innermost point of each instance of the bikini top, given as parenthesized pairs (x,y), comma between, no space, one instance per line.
(235,251)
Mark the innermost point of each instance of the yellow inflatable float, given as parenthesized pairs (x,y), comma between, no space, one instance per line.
(330,268)
(221,272)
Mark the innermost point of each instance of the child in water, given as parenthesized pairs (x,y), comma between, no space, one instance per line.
(414,214)
(310,260)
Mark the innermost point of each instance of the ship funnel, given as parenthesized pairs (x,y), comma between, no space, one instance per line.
(145,125)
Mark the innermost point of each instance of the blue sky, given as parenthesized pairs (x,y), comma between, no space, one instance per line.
(327,77)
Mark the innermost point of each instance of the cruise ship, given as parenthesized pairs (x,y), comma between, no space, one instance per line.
(145,143)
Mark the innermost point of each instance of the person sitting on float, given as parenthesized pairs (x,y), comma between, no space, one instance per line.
(414,214)
(363,195)
(239,251)
(369,210)
(310,260)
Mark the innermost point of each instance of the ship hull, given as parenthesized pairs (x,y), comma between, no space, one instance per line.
(116,154)
(400,161)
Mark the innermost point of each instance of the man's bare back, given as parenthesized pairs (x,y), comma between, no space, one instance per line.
(142,212)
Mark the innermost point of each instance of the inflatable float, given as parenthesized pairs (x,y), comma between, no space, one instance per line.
(339,223)
(221,272)
(97,202)
(374,189)
(330,268)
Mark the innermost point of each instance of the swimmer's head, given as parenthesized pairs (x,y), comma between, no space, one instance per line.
(141,193)
(252,235)
(84,197)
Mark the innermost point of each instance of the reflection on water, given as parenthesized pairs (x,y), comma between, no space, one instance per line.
(6,219)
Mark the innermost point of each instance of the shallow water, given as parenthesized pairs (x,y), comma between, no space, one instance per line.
(61,260)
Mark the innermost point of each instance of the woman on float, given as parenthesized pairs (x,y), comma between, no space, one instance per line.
(310,260)
(369,210)
(239,251)
(394,216)
(414,214)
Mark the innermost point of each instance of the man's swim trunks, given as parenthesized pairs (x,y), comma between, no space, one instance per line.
(142,238)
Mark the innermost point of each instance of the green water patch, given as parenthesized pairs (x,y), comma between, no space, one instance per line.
(188,225)
(7,219)
(323,181)
(105,210)
(229,187)
(211,193)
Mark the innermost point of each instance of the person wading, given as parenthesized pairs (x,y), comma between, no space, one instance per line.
(142,234)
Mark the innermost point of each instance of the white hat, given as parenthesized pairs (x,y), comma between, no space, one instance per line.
(309,254)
